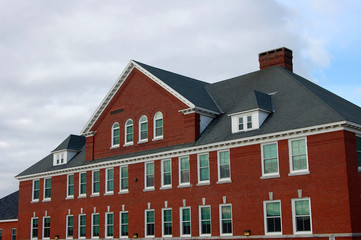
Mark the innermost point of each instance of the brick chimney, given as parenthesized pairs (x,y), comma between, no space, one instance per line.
(277,57)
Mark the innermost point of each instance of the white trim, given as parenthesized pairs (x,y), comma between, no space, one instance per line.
(145,223)
(8,220)
(185,184)
(265,217)
(293,203)
(106,225)
(163,234)
(181,221)
(302,171)
(95,193)
(79,216)
(92,225)
(164,186)
(200,220)
(120,224)
(204,182)
(269,175)
(106,181)
(247,112)
(145,176)
(220,219)
(67,225)
(225,179)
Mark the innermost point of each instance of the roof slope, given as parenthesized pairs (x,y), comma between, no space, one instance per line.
(73,142)
(9,206)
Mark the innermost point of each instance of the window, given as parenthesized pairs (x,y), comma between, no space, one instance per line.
(205,220)
(70,188)
(82,184)
(270,160)
(143,129)
(149,223)
(36,187)
(184,171)
(124,224)
(13,234)
(249,122)
(167,222)
(1,234)
(185,223)
(109,227)
(95,225)
(129,132)
(158,125)
(46,227)
(69,226)
(301,209)
(109,180)
(358,147)
(203,168)
(47,188)
(224,169)
(34,228)
(272,214)
(115,135)
(225,212)
(82,226)
(166,173)
(298,156)
(124,178)
(96,183)
(149,175)
(240,124)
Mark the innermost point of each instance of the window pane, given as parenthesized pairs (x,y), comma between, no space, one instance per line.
(273,209)
(225,173)
(150,168)
(302,207)
(166,166)
(185,163)
(204,174)
(203,160)
(358,143)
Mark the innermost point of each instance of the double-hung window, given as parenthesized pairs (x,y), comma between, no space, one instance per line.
(129,132)
(272,217)
(115,135)
(298,156)
(47,189)
(167,222)
(82,184)
(358,149)
(270,160)
(149,175)
(69,226)
(204,220)
(166,173)
(225,214)
(46,227)
(36,188)
(109,181)
(96,183)
(124,224)
(70,187)
(185,223)
(203,168)
(184,171)
(13,234)
(224,166)
(149,223)
(95,225)
(109,225)
(143,129)
(302,221)
(82,226)
(123,179)
(158,125)
(34,228)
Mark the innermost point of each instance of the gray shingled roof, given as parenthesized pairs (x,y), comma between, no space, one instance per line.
(73,142)
(9,206)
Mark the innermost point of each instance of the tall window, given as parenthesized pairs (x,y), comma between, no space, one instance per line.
(270,160)
(34,227)
(95,225)
(36,188)
(225,212)
(184,171)
(149,175)
(96,183)
(124,224)
(82,226)
(70,188)
(205,220)
(185,216)
(358,144)
(158,125)
(272,213)
(149,223)
(109,227)
(13,234)
(109,180)
(298,152)
(115,135)
(82,184)
(1,234)
(47,189)
(69,226)
(203,168)
(301,209)
(124,178)
(167,222)
(129,131)
(143,129)
(46,227)
(224,168)
(166,173)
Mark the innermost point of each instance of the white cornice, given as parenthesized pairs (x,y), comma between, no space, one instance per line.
(8,220)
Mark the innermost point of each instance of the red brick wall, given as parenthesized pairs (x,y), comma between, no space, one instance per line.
(6,228)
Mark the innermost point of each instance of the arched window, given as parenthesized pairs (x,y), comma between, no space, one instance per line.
(158,125)
(143,128)
(129,131)
(115,135)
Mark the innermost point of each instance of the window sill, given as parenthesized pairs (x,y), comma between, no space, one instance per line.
(69,197)
(123,191)
(184,185)
(302,233)
(203,183)
(34,201)
(226,234)
(148,189)
(224,181)
(299,173)
(142,141)
(359,169)
(274,234)
(128,144)
(157,138)
(114,147)
(95,195)
(46,200)
(108,193)
(270,176)
(82,196)
(165,187)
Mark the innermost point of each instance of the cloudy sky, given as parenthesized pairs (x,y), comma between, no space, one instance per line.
(58,59)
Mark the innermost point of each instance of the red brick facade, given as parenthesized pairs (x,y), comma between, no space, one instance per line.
(7,228)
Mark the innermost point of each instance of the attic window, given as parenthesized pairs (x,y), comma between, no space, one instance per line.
(248,120)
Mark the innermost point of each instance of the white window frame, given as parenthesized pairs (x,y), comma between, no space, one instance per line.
(163,228)
(181,221)
(162,171)
(79,226)
(146,187)
(228,179)
(43,230)
(121,177)
(200,220)
(180,171)
(265,217)
(294,215)
(67,226)
(80,183)
(33,191)
(92,225)
(106,225)
(108,180)
(302,171)
(68,195)
(141,122)
(269,175)
(155,118)
(32,228)
(13,237)
(121,225)
(44,191)
(126,125)
(200,182)
(114,127)
(220,219)
(95,193)
(146,222)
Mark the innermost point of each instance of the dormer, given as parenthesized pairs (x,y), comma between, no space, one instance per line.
(252,112)
(67,149)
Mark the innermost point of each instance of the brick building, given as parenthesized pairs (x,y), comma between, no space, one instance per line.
(264,155)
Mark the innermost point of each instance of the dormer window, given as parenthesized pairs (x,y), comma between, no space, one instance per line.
(240,124)
(59,158)
(68,149)
(249,120)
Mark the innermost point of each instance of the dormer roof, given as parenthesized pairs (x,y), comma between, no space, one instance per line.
(73,142)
